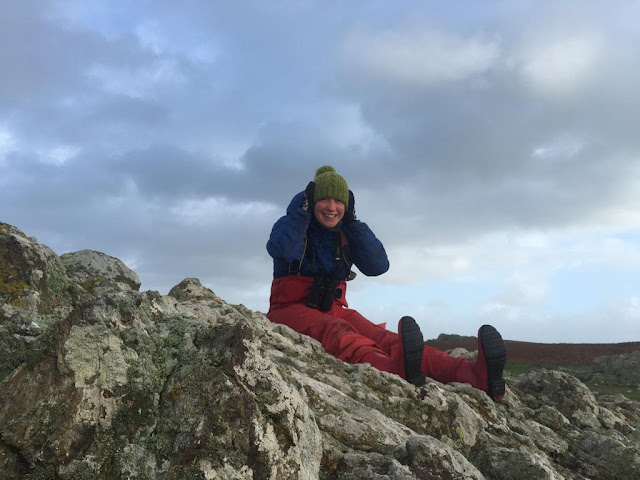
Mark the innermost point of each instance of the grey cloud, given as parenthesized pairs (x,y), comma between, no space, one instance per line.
(45,57)
(162,105)
(472,146)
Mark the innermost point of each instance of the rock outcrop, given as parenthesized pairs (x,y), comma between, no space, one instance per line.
(97,272)
(118,383)
(616,370)
(35,292)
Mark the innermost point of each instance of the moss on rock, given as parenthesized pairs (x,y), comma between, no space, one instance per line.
(139,385)
(10,281)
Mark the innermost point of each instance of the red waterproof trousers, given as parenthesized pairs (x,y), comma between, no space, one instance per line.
(349,336)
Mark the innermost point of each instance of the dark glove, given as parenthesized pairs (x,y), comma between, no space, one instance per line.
(350,214)
(307,202)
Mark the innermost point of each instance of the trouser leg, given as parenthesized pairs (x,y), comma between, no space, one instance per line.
(484,374)
(338,336)
(439,365)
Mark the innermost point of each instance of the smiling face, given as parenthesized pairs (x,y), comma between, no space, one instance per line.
(329,212)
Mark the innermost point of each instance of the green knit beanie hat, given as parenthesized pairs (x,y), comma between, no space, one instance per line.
(328,184)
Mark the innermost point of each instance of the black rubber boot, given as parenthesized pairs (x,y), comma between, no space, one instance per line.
(493,352)
(412,349)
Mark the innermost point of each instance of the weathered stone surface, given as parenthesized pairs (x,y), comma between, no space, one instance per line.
(623,408)
(31,275)
(562,391)
(139,385)
(192,289)
(464,353)
(430,458)
(34,293)
(38,288)
(616,370)
(127,386)
(98,272)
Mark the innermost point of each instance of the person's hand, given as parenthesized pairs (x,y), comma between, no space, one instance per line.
(308,198)
(350,214)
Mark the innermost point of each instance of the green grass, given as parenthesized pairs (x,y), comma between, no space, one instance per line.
(627,391)
(516,369)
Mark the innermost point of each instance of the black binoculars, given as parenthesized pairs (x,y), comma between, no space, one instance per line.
(322,294)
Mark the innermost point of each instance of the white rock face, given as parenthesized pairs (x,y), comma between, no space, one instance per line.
(99,272)
(138,385)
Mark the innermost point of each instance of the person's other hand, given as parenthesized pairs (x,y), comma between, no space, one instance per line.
(350,214)
(307,202)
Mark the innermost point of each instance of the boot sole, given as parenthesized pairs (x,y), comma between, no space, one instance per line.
(495,355)
(413,348)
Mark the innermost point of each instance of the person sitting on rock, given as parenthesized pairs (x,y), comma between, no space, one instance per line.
(313,247)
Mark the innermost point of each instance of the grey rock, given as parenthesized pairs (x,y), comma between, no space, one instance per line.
(192,289)
(504,463)
(616,370)
(622,408)
(464,353)
(34,293)
(98,272)
(562,391)
(430,458)
(135,384)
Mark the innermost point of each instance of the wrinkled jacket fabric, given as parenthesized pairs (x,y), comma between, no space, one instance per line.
(287,239)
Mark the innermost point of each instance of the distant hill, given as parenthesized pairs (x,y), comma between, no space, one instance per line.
(542,353)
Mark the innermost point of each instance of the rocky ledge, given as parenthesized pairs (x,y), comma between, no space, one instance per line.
(107,382)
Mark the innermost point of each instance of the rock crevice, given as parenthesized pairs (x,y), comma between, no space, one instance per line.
(118,383)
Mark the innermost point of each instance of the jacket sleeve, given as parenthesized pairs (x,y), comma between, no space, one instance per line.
(366,251)
(288,232)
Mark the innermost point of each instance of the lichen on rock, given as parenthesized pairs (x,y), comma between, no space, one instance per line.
(129,384)
(97,271)
(97,357)
(34,293)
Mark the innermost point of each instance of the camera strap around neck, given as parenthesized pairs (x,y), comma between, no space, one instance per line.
(340,253)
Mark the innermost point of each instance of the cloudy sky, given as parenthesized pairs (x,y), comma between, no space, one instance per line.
(492,146)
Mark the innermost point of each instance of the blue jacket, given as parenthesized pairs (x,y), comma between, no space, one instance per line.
(287,239)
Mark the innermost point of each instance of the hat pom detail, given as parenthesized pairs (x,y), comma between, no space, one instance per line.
(324,169)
